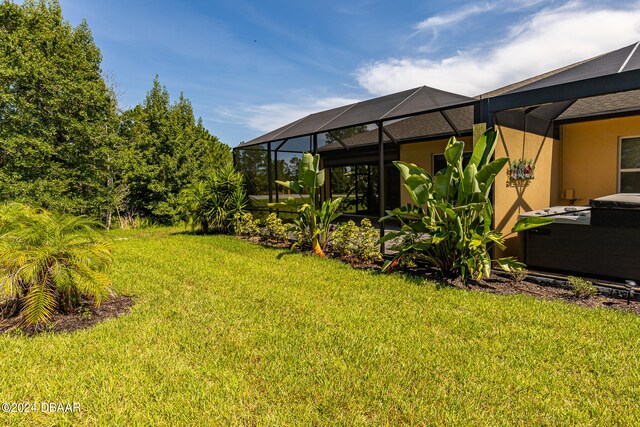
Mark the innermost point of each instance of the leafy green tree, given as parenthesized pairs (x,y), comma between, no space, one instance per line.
(168,150)
(252,162)
(57,115)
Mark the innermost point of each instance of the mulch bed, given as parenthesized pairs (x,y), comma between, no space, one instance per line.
(88,316)
(496,284)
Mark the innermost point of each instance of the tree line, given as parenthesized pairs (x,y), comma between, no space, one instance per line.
(64,143)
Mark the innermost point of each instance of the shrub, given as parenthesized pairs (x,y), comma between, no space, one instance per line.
(49,261)
(369,247)
(274,229)
(361,243)
(582,288)
(518,275)
(344,240)
(245,225)
(211,204)
(452,212)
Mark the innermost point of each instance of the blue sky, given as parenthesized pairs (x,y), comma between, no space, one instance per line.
(249,67)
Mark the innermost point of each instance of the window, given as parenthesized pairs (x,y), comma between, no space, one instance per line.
(629,165)
(439,162)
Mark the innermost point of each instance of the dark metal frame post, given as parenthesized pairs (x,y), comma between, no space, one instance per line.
(269,183)
(275,172)
(314,147)
(381,182)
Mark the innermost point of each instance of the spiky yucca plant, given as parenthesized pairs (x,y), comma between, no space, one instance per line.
(49,261)
(211,204)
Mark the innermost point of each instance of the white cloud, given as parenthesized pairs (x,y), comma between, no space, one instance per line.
(544,41)
(268,117)
(452,18)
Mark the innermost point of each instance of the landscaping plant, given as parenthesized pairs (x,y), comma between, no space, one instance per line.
(312,222)
(245,225)
(450,221)
(359,243)
(212,203)
(582,288)
(48,262)
(274,229)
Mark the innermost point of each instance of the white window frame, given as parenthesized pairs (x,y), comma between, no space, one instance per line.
(620,170)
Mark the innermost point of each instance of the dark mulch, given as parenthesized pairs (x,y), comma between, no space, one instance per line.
(504,285)
(497,284)
(87,316)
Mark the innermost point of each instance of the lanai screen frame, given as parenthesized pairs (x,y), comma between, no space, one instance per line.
(397,111)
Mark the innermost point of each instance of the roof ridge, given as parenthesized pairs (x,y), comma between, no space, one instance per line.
(626,61)
(402,102)
(341,113)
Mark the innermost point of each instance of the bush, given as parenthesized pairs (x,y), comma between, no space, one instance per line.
(359,243)
(49,261)
(519,276)
(245,225)
(211,204)
(369,236)
(344,240)
(582,288)
(274,229)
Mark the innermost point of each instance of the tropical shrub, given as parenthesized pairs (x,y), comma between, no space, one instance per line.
(370,248)
(245,225)
(359,243)
(581,288)
(344,240)
(312,223)
(49,262)
(450,220)
(212,203)
(274,229)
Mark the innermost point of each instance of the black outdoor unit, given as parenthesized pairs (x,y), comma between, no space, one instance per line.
(600,241)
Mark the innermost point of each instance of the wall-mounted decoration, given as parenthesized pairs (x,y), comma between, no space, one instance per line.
(520,172)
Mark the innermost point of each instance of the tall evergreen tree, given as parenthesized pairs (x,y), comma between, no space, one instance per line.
(63,145)
(170,151)
(57,116)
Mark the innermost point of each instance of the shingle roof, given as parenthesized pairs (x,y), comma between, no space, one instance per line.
(424,125)
(603,104)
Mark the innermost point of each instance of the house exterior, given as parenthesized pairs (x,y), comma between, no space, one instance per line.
(572,135)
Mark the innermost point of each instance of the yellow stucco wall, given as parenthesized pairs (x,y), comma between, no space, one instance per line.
(421,153)
(590,152)
(584,160)
(541,192)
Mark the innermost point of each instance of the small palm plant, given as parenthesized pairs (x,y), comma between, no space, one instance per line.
(49,261)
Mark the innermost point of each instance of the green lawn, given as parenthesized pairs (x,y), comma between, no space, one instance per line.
(229,333)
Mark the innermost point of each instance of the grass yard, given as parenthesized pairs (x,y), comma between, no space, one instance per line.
(229,333)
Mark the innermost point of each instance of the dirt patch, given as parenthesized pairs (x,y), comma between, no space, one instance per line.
(87,316)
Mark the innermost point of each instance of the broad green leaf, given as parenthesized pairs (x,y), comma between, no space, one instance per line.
(453,151)
(530,222)
(510,264)
(391,235)
(488,172)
